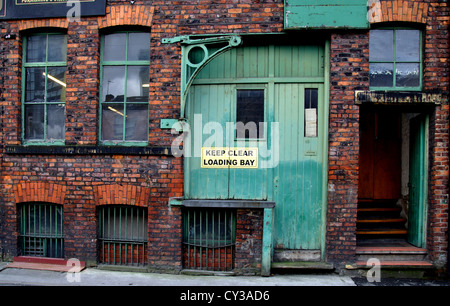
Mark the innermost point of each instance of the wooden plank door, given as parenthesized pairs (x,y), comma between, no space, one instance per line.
(298,177)
(417,181)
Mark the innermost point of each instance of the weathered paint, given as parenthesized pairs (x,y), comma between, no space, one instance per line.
(418,180)
(389,97)
(324,14)
(267,247)
(297,183)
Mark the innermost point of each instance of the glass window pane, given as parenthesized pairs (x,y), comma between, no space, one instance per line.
(381,75)
(113,84)
(137,122)
(56,84)
(55,122)
(139,47)
(35,85)
(36,46)
(381,45)
(407,75)
(311,102)
(112,121)
(407,45)
(250,113)
(34,121)
(137,83)
(115,47)
(57,48)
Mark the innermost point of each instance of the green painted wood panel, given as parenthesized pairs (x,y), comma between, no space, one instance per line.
(254,63)
(417,180)
(298,191)
(297,182)
(322,14)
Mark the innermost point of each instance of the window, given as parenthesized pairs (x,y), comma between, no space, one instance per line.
(250,114)
(125,61)
(41,230)
(209,238)
(395,59)
(311,104)
(44,89)
(122,235)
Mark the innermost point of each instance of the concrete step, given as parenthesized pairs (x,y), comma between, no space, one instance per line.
(46,263)
(389,254)
(303,266)
(399,264)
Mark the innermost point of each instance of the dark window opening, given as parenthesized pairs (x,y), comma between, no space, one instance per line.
(250,114)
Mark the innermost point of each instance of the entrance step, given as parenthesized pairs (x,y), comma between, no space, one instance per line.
(399,264)
(299,266)
(379,219)
(391,253)
(46,263)
(404,257)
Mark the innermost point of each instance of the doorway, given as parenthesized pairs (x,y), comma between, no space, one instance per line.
(393,176)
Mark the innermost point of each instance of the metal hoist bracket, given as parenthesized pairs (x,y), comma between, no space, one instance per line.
(189,69)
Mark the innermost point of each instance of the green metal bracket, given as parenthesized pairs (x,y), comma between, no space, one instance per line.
(171,124)
(190,70)
(267,248)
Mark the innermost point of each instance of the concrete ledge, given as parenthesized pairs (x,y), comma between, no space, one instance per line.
(229,203)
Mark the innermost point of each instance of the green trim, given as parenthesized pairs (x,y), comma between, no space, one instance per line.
(45,103)
(325,144)
(124,64)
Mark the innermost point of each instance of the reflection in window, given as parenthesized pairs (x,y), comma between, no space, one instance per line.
(125,87)
(311,104)
(44,93)
(395,59)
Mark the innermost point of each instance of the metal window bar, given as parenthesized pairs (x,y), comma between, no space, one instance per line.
(41,230)
(122,235)
(209,238)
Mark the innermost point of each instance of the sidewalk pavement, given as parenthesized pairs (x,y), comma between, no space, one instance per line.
(97,277)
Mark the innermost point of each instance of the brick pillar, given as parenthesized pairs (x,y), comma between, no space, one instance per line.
(348,72)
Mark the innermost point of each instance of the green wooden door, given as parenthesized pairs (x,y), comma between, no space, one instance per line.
(299,182)
(417,180)
(212,118)
(292,78)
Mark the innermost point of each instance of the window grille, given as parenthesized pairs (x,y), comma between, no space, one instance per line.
(41,230)
(122,235)
(209,238)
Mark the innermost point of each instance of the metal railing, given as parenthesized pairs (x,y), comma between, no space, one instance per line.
(122,235)
(209,238)
(41,230)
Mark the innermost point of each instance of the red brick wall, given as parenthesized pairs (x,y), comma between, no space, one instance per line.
(436,78)
(348,72)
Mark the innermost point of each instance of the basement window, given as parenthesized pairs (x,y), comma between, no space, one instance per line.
(122,235)
(209,238)
(41,230)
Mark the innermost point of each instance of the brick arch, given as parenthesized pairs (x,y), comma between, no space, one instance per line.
(44,23)
(120,15)
(398,11)
(121,194)
(39,192)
